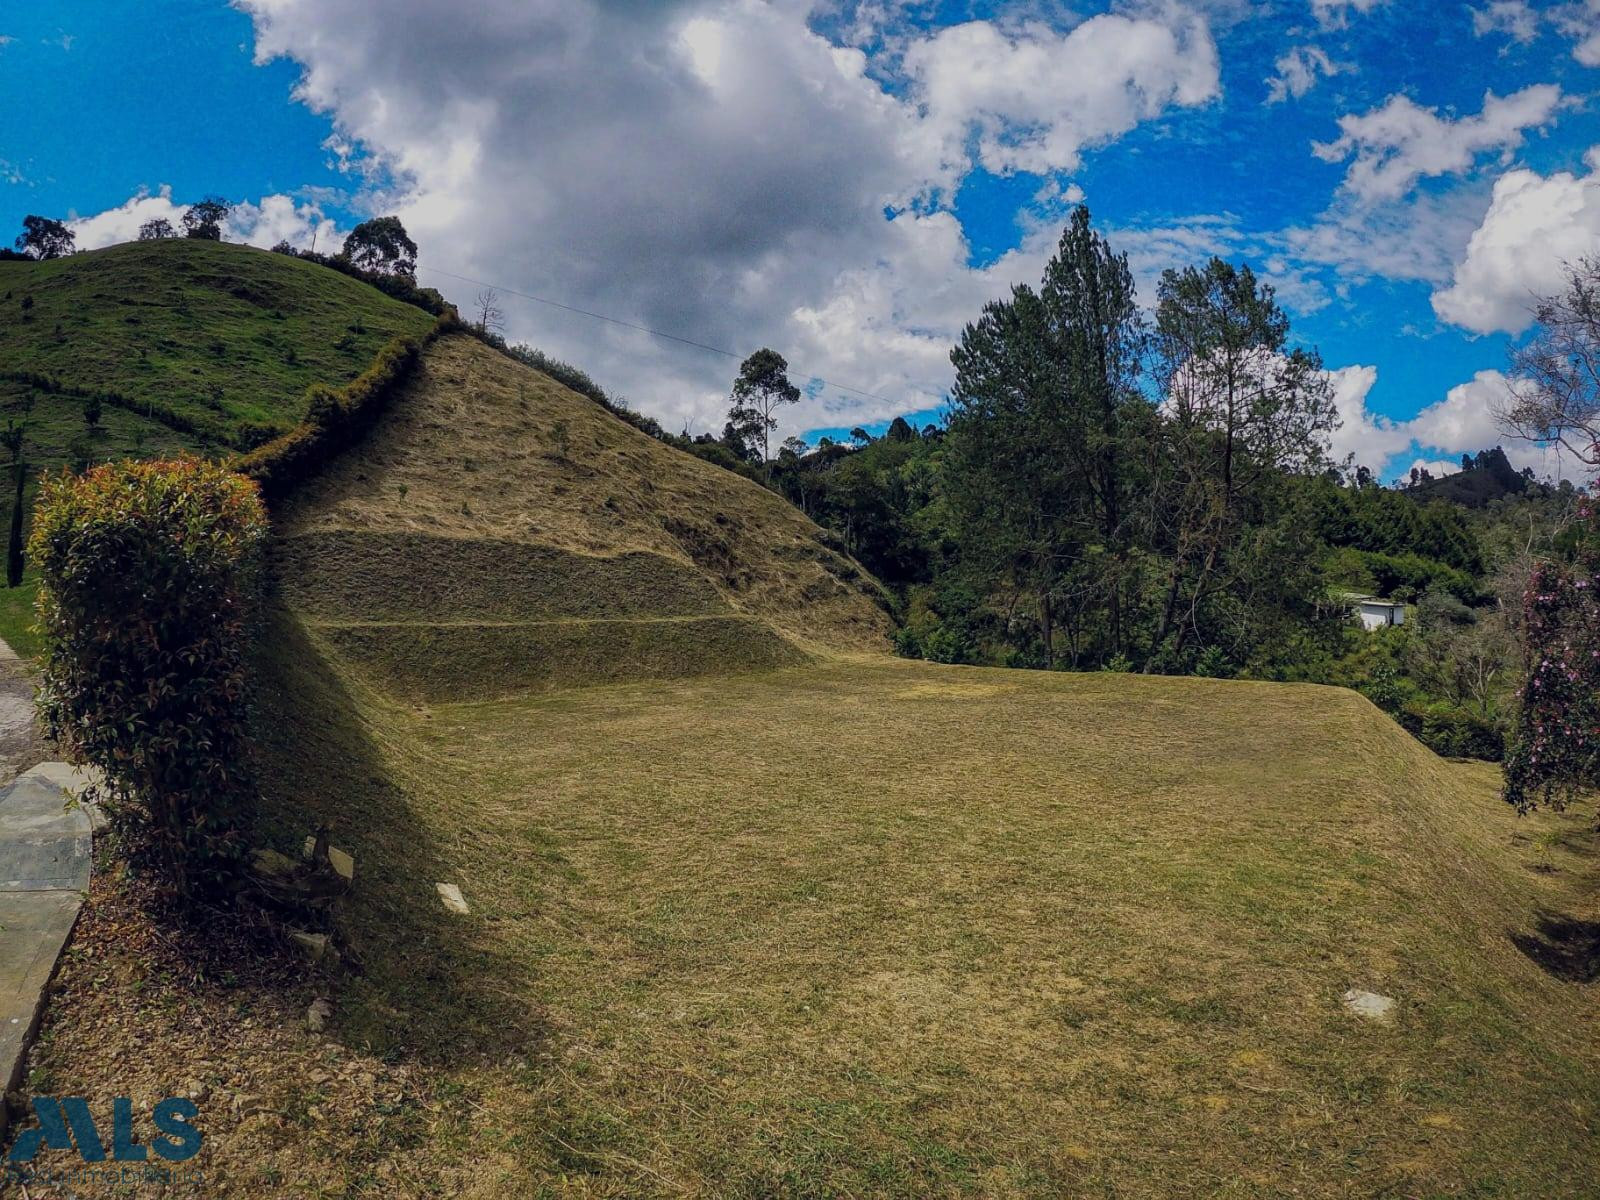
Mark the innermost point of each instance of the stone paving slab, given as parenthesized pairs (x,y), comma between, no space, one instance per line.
(34,926)
(45,842)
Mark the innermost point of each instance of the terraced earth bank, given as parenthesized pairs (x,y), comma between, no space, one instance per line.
(500,533)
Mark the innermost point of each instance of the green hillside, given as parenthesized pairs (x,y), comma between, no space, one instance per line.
(226,336)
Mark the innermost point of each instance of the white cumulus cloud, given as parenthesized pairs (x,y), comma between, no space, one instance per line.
(1581,23)
(264,223)
(1391,147)
(1534,226)
(1035,99)
(1372,438)
(1522,22)
(1514,18)
(1463,422)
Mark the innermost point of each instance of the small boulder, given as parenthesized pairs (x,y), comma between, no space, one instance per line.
(317,1015)
(1369,1006)
(340,861)
(453,900)
(314,945)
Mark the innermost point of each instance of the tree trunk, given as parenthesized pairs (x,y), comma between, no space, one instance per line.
(14,551)
(1044,621)
(1169,611)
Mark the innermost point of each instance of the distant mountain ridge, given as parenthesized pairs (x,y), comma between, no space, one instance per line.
(1491,477)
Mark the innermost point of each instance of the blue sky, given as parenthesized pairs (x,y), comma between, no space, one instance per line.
(848,182)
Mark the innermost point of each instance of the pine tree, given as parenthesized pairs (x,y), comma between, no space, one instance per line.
(1043,414)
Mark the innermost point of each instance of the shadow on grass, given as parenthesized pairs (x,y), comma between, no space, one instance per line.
(428,985)
(1565,946)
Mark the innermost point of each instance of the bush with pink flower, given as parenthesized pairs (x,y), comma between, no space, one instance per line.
(1555,751)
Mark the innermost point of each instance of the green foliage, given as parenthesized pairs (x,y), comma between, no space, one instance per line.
(204,221)
(761,387)
(1245,416)
(1406,576)
(1383,688)
(147,572)
(382,246)
(926,634)
(1453,730)
(43,238)
(1383,521)
(1555,753)
(1045,426)
(337,417)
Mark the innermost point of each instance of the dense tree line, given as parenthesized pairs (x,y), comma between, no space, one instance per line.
(1110,491)
(1106,490)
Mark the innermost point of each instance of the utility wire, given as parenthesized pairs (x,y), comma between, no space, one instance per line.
(671,337)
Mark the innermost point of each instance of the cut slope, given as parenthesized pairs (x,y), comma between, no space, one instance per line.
(222,333)
(498,532)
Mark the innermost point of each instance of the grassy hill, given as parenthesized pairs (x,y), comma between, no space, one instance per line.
(225,335)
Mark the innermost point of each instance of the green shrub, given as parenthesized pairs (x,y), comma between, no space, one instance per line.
(1453,730)
(336,418)
(147,577)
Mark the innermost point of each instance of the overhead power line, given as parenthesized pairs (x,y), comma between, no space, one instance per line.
(670,337)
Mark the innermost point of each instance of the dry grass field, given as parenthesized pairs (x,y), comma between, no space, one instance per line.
(874,928)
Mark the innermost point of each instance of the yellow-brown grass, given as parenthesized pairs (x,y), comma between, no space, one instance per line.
(878,928)
(491,492)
